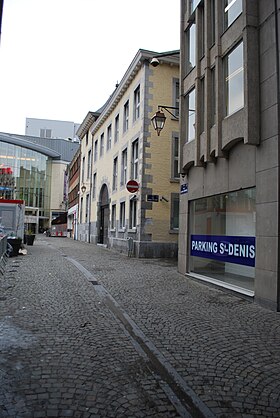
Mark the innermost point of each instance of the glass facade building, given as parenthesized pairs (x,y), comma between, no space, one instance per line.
(26,174)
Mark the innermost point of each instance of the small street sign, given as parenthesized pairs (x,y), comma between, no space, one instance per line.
(152,198)
(132,186)
(184,188)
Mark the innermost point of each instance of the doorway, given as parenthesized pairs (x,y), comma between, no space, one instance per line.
(104,216)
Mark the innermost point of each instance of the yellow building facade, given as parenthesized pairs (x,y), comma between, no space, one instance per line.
(119,144)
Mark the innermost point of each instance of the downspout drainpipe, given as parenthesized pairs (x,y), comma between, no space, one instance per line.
(278,123)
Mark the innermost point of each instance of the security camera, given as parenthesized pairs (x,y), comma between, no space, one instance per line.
(154,62)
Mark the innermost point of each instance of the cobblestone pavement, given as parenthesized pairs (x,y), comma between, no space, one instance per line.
(88,332)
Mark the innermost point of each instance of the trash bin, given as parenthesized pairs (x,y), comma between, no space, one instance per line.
(15,243)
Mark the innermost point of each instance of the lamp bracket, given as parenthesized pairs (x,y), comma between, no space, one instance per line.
(160,107)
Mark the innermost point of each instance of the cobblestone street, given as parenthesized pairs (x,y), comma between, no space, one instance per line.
(88,332)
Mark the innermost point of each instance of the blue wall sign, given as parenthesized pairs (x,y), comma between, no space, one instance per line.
(230,249)
(184,188)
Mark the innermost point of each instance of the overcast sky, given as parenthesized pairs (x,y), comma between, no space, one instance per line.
(60,59)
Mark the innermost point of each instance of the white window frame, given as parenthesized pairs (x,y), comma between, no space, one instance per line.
(115,173)
(109,137)
(136,112)
(230,78)
(124,167)
(122,215)
(135,159)
(126,116)
(132,214)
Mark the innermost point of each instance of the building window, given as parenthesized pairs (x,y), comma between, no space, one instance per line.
(136,113)
(115,173)
(89,164)
(109,137)
(202,105)
(101,145)
(122,215)
(45,133)
(213,22)
(87,207)
(95,150)
(124,167)
(87,138)
(234,80)
(190,48)
(132,214)
(134,159)
(113,217)
(190,106)
(193,5)
(94,186)
(117,128)
(174,214)
(176,96)
(126,116)
(201,37)
(222,240)
(175,157)
(83,169)
(213,96)
(232,9)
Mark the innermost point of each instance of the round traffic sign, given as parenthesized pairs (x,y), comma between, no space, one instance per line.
(132,186)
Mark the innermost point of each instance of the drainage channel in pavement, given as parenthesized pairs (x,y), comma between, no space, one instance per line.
(183,398)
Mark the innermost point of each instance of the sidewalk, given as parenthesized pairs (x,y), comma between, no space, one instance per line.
(88,332)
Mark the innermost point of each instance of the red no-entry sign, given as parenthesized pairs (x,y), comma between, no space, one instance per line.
(132,186)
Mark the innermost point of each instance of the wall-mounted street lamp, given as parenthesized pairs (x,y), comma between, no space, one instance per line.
(83,188)
(159,118)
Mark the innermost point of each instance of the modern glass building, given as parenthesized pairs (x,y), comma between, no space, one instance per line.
(26,170)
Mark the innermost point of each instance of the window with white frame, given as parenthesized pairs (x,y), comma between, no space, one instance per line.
(89,164)
(83,169)
(134,159)
(234,80)
(122,215)
(136,110)
(176,96)
(232,9)
(132,213)
(95,149)
(115,173)
(125,116)
(94,186)
(117,128)
(109,137)
(190,110)
(190,48)
(124,167)
(113,217)
(174,213)
(175,157)
(101,144)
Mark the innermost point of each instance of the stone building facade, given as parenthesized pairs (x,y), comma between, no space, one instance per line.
(229,143)
(119,144)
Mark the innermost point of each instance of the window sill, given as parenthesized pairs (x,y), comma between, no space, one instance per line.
(132,230)
(174,231)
